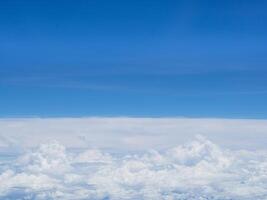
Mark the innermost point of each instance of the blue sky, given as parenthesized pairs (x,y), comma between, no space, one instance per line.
(133,58)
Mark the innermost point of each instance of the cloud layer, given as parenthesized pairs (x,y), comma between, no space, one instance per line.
(133,158)
(196,170)
(130,133)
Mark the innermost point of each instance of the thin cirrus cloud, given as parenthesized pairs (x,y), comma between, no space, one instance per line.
(203,84)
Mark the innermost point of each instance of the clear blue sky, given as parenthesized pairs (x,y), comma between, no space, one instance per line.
(133,58)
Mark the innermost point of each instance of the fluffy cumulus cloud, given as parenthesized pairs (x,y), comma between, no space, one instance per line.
(196,170)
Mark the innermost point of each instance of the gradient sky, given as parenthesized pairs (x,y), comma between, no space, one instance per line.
(133,58)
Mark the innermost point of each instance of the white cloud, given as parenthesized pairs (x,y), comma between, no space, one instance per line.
(195,170)
(133,158)
(93,156)
(131,133)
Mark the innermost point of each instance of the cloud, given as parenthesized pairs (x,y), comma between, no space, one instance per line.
(133,158)
(198,169)
(130,134)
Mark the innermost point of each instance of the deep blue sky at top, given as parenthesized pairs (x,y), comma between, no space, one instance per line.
(133,58)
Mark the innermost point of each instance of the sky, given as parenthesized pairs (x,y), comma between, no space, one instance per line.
(144,58)
(144,99)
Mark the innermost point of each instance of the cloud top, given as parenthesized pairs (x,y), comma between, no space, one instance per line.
(198,169)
